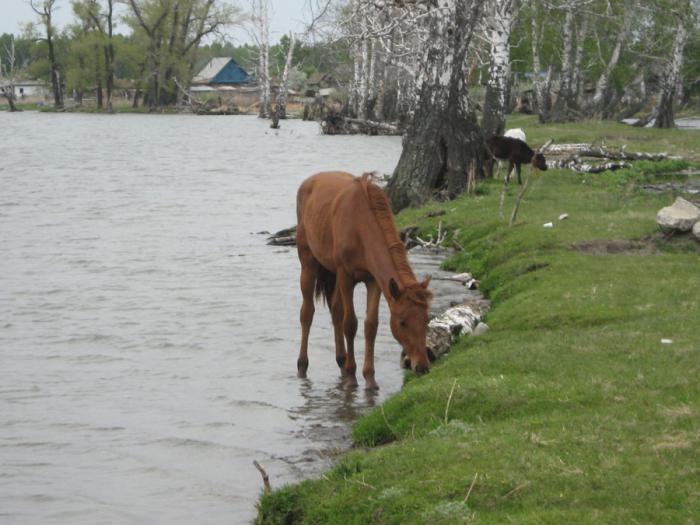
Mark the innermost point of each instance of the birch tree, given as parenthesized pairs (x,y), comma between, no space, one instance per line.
(317,9)
(7,74)
(664,108)
(260,17)
(602,91)
(500,24)
(443,145)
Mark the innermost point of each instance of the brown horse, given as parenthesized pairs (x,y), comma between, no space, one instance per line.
(346,235)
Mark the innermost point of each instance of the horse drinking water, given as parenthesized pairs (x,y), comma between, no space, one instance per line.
(346,235)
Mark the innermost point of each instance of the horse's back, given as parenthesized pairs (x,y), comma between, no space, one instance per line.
(316,201)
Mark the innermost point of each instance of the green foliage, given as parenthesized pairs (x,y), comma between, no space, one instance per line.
(570,409)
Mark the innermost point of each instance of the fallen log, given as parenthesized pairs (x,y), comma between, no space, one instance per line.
(601,152)
(575,163)
(335,124)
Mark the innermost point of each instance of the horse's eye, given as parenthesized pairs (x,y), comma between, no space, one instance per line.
(402,323)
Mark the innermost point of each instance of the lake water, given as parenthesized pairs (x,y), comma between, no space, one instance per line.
(148,336)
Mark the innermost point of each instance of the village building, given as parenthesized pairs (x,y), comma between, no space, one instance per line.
(223,77)
(26,89)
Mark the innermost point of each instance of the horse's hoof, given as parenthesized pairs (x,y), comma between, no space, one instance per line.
(371,385)
(301,374)
(350,381)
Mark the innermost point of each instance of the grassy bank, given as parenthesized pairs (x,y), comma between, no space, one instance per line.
(570,408)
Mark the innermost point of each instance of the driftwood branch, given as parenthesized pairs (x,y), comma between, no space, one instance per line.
(433,243)
(286,237)
(519,197)
(265,477)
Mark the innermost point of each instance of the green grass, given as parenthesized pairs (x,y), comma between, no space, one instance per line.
(612,134)
(570,409)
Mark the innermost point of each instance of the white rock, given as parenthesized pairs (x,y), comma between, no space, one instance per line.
(696,230)
(680,216)
(548,225)
(480,329)
(666,341)
(563,216)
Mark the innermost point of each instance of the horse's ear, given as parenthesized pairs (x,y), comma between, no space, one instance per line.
(394,289)
(426,282)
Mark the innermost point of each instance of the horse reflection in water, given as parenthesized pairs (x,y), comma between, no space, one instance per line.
(346,235)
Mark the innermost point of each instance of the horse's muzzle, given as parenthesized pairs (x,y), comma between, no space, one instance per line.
(421,369)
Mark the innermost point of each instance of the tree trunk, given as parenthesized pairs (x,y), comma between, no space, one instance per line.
(9,93)
(281,106)
(109,55)
(55,76)
(496,98)
(664,109)
(601,94)
(264,59)
(443,142)
(576,74)
(98,80)
(560,111)
(542,99)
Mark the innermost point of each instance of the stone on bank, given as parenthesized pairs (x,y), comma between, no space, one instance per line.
(681,216)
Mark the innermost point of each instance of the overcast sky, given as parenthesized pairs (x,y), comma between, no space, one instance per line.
(287,15)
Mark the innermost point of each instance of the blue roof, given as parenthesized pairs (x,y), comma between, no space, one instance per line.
(231,73)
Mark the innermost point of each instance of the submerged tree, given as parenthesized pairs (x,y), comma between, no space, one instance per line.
(443,146)
(7,73)
(260,16)
(45,9)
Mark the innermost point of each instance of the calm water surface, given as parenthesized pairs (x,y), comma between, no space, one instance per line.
(148,336)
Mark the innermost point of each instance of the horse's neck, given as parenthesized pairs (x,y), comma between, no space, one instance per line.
(382,265)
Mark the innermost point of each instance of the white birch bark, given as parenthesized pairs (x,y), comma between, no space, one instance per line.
(568,36)
(281,106)
(664,108)
(576,74)
(601,87)
(443,144)
(536,64)
(362,84)
(495,104)
(263,19)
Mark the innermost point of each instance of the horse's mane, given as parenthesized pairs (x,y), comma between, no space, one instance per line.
(379,204)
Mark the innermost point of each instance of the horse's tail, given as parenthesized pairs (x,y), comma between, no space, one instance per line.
(325,284)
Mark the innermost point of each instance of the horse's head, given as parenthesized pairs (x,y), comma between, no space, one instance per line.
(409,321)
(539,162)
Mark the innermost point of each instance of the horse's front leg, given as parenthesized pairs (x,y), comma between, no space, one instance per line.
(346,286)
(374,294)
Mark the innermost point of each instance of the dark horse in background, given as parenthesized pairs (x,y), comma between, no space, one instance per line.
(516,152)
(346,235)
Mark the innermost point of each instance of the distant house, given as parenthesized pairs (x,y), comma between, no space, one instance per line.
(222,71)
(29,88)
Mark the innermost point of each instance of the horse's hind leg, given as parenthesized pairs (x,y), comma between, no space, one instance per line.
(309,270)
(336,307)
(371,323)
(345,286)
